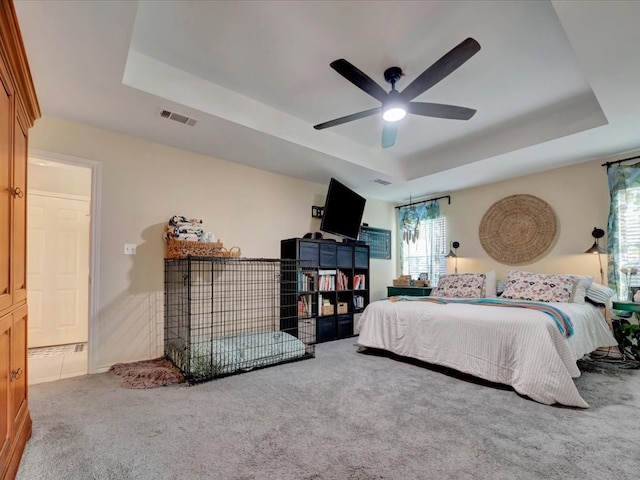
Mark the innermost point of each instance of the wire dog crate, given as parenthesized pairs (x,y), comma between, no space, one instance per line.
(225,315)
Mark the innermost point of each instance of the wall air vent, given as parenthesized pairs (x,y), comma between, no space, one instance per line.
(178,117)
(382,182)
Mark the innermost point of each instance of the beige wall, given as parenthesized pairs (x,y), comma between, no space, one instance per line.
(578,194)
(143,185)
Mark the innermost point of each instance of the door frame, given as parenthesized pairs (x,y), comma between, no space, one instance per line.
(94,243)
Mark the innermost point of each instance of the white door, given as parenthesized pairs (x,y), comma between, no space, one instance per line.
(57,269)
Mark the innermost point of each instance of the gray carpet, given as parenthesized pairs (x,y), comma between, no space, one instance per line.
(341,416)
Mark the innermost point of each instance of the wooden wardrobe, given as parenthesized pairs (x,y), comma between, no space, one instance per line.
(18,110)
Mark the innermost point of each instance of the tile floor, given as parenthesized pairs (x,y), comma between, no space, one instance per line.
(47,364)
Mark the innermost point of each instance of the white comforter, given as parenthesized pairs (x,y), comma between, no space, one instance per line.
(513,346)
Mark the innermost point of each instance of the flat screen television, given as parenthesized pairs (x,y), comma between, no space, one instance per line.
(343,211)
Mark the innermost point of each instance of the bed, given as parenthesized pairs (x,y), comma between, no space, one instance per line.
(523,346)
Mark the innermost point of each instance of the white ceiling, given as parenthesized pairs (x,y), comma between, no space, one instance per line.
(555,83)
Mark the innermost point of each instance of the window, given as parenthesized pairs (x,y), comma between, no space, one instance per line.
(422,233)
(624,230)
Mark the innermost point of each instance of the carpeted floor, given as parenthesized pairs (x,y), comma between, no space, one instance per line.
(341,416)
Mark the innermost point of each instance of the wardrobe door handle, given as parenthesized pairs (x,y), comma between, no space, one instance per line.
(16,374)
(17,192)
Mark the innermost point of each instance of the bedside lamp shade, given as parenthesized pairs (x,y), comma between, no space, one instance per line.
(454,246)
(453,253)
(597,234)
(596,249)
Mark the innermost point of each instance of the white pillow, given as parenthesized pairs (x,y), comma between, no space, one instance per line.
(490,285)
(579,292)
(599,293)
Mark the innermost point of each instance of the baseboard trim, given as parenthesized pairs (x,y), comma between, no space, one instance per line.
(37,381)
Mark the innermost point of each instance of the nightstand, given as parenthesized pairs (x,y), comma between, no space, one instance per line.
(624,335)
(626,306)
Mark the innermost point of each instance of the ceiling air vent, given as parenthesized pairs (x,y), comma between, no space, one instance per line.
(178,117)
(382,182)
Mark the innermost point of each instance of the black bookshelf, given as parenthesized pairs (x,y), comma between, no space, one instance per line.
(332,287)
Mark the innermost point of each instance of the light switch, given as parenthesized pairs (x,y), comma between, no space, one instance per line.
(129,248)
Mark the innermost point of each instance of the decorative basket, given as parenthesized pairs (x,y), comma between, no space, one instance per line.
(181,248)
(231,253)
(402,281)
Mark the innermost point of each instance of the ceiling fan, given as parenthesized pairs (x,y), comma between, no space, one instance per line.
(395,104)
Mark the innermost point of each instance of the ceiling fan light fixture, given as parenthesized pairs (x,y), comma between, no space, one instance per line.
(394,104)
(394,113)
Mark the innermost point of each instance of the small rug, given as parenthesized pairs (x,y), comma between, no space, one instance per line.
(157,372)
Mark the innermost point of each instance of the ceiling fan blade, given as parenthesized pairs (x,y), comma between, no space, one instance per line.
(359,79)
(348,118)
(441,111)
(449,62)
(389,133)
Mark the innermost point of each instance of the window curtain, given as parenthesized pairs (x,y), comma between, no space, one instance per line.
(623,241)
(422,236)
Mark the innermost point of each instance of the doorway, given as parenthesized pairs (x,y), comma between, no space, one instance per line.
(58,273)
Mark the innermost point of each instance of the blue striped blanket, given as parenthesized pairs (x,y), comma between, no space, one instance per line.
(561,319)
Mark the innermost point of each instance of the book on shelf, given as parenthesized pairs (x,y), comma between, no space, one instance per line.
(306,281)
(326,282)
(342,281)
(358,301)
(331,271)
(304,306)
(359,282)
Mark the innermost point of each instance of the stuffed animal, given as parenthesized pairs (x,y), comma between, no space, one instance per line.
(181,220)
(208,237)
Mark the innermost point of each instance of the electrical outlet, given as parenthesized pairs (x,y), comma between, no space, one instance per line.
(129,248)
(317,212)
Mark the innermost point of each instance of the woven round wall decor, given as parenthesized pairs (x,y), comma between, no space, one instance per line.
(518,229)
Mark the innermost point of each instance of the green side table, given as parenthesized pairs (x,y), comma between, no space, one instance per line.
(626,306)
(630,358)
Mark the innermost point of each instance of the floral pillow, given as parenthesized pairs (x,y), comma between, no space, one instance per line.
(538,287)
(463,285)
